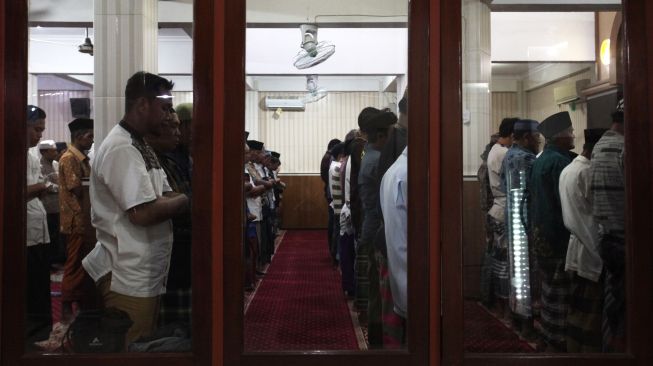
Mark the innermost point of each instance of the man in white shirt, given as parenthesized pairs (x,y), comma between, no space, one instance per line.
(495,221)
(39,313)
(583,257)
(394,205)
(132,205)
(335,186)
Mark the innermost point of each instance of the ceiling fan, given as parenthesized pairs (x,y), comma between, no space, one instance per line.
(312,52)
(87,46)
(315,93)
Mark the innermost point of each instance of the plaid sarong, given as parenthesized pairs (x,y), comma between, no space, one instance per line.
(176,306)
(555,300)
(584,316)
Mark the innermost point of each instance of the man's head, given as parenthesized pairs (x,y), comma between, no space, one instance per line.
(558,131)
(81,133)
(185,113)
(332,143)
(592,136)
(48,149)
(375,125)
(338,151)
(255,151)
(506,128)
(35,125)
(526,135)
(169,138)
(618,114)
(148,101)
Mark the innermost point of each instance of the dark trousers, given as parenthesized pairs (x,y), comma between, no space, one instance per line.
(330,228)
(347,256)
(57,243)
(39,310)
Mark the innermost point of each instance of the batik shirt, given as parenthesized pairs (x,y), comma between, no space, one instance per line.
(73,167)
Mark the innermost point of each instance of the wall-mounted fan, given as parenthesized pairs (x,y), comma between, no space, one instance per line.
(312,52)
(315,93)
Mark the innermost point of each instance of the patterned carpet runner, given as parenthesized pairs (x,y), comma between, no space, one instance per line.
(300,304)
(485,333)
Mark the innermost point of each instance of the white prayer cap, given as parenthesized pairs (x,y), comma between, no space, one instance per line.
(47,145)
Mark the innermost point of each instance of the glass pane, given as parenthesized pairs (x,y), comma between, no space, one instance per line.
(541,119)
(324,84)
(108,217)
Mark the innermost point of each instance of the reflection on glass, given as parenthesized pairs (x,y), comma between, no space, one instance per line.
(325,97)
(547,274)
(112,142)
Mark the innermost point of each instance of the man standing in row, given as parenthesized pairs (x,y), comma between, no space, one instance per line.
(499,281)
(375,129)
(583,259)
(515,173)
(550,236)
(132,207)
(608,198)
(39,313)
(74,168)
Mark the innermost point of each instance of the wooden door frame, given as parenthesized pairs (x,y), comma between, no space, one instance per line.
(13,99)
(421,222)
(638,90)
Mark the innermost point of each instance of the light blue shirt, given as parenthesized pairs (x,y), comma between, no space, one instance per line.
(394,201)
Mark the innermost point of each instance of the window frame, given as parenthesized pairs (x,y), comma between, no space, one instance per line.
(639,138)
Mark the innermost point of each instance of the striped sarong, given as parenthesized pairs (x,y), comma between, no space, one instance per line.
(584,316)
(555,300)
(362,278)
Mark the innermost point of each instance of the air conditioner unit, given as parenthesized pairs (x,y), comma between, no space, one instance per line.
(286,104)
(570,92)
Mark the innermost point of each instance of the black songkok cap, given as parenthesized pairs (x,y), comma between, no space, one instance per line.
(255,145)
(525,125)
(246,135)
(555,124)
(80,124)
(275,154)
(592,135)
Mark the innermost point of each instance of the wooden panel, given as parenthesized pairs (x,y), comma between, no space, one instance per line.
(473,238)
(304,206)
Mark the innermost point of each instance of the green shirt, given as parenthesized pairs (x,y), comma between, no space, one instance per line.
(551,237)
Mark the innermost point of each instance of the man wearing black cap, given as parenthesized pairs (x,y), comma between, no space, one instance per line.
(583,259)
(39,313)
(77,286)
(550,236)
(608,209)
(515,171)
(375,129)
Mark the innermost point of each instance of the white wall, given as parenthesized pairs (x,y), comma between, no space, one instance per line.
(539,36)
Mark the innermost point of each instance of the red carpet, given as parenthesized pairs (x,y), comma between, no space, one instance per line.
(485,333)
(300,304)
